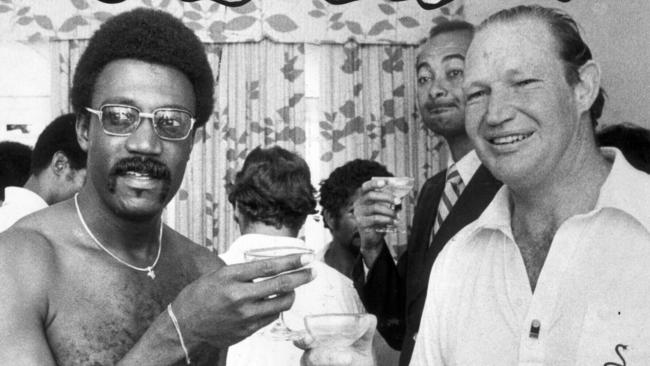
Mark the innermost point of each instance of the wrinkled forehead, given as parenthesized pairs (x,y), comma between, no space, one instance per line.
(502,45)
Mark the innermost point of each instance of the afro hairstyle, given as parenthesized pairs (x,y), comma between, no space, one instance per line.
(151,36)
(342,184)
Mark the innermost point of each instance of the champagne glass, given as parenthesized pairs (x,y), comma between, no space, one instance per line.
(399,187)
(336,330)
(279,329)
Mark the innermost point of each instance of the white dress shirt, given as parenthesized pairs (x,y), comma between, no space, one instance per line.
(19,202)
(591,304)
(466,166)
(329,292)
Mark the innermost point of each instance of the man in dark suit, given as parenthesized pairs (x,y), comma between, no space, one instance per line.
(447,202)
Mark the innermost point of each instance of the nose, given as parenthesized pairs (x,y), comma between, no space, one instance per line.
(437,89)
(499,108)
(144,140)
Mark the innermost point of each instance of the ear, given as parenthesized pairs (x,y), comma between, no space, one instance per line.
(59,163)
(586,90)
(328,220)
(83,130)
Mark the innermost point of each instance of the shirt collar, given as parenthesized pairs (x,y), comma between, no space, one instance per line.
(621,190)
(466,166)
(21,196)
(626,188)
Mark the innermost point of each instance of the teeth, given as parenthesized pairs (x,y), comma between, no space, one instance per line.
(509,139)
(136,174)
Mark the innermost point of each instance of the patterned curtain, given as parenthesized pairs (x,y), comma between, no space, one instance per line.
(259,103)
(368,111)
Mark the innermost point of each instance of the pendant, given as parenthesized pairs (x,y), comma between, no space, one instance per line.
(151,273)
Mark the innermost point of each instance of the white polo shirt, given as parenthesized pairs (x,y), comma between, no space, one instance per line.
(592,300)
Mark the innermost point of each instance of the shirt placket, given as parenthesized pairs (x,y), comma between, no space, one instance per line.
(541,312)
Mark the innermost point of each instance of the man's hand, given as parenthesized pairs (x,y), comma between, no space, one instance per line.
(372,210)
(358,354)
(226,306)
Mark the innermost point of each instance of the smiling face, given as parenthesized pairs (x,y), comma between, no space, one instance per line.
(440,68)
(136,175)
(521,113)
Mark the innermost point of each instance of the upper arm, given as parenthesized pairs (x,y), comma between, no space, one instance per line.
(25,268)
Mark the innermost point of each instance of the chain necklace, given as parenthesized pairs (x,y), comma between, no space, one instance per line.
(148,269)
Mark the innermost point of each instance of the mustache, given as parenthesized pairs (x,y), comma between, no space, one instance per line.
(142,165)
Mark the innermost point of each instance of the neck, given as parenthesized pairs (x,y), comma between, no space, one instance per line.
(262,228)
(35,185)
(459,146)
(572,189)
(115,232)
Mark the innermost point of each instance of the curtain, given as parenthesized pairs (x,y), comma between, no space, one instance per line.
(258,103)
(368,111)
(284,21)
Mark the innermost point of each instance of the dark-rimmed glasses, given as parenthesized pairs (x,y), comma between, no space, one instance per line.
(121,120)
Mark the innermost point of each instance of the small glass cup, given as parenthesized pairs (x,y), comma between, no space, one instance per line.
(336,330)
(279,329)
(399,187)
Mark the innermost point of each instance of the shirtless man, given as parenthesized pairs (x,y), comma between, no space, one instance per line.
(99,279)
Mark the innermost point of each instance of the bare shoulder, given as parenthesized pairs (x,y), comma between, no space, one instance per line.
(27,269)
(193,254)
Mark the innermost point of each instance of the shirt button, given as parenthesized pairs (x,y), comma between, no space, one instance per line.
(535,326)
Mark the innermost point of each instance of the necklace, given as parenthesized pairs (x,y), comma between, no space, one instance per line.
(148,269)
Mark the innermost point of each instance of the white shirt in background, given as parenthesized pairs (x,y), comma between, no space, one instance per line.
(19,202)
(591,302)
(329,292)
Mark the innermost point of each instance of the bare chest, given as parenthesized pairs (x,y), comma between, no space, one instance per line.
(100,309)
(534,249)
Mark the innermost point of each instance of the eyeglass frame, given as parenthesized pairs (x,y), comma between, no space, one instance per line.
(141,114)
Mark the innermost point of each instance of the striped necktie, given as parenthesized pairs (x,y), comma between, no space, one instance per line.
(453,188)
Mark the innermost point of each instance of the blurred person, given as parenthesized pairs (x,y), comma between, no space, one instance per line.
(337,195)
(272,195)
(100,279)
(15,159)
(447,201)
(553,272)
(57,172)
(632,140)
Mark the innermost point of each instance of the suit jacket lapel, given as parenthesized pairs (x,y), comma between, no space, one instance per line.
(471,203)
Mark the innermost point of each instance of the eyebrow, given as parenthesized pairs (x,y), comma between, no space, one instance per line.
(420,64)
(133,103)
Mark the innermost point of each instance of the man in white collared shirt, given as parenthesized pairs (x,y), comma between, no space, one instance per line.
(554,271)
(58,171)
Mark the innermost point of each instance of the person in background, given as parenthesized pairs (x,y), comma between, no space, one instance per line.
(57,172)
(337,195)
(553,272)
(272,195)
(15,159)
(447,201)
(632,140)
(100,279)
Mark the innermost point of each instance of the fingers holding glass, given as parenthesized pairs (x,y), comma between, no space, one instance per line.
(397,188)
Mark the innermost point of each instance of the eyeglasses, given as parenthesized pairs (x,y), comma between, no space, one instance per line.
(121,120)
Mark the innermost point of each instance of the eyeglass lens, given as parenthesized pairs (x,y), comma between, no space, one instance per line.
(168,123)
